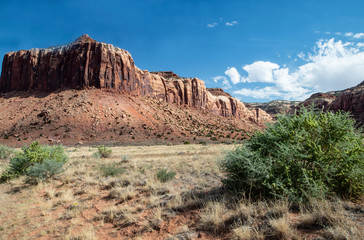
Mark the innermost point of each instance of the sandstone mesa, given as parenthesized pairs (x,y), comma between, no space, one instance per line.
(86,63)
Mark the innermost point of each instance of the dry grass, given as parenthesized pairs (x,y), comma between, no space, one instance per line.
(81,203)
(282,229)
(214,216)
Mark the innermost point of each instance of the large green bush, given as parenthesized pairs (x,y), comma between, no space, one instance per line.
(309,154)
(35,161)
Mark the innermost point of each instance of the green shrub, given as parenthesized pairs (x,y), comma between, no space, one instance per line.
(30,156)
(125,158)
(5,152)
(311,154)
(163,175)
(102,152)
(111,170)
(44,170)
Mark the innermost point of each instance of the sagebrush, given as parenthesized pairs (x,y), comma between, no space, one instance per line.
(111,170)
(309,154)
(102,152)
(164,175)
(5,152)
(36,161)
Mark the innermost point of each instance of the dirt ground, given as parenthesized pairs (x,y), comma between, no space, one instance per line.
(94,116)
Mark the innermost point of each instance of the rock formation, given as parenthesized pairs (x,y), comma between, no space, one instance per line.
(275,107)
(86,63)
(218,92)
(351,100)
(348,100)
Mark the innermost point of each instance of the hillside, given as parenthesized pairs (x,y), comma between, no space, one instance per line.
(91,92)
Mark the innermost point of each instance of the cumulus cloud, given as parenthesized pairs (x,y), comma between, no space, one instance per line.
(354,35)
(212,25)
(332,65)
(358,35)
(260,72)
(225,82)
(231,23)
(233,74)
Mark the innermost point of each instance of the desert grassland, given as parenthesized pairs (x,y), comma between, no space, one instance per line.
(121,197)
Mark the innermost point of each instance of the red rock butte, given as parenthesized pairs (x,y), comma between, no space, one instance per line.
(86,63)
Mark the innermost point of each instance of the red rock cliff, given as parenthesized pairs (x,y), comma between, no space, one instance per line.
(348,100)
(87,63)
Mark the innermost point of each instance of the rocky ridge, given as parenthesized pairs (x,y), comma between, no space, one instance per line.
(348,100)
(275,107)
(86,63)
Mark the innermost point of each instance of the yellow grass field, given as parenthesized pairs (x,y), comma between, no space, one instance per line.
(85,202)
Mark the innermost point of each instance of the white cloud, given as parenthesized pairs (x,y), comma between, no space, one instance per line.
(260,72)
(225,82)
(267,92)
(358,35)
(212,25)
(354,35)
(302,56)
(233,74)
(231,23)
(332,65)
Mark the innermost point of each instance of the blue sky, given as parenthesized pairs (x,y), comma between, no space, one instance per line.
(257,50)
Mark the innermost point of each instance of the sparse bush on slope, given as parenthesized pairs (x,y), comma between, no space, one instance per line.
(312,154)
(102,152)
(5,152)
(111,170)
(36,161)
(164,175)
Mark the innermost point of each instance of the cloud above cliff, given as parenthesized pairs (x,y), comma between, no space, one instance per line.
(233,74)
(225,82)
(332,65)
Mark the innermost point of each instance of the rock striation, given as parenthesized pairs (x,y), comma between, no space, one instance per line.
(86,63)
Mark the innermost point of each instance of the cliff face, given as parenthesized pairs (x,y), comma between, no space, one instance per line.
(351,100)
(86,63)
(348,100)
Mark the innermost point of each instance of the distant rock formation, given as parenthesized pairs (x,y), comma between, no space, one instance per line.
(348,100)
(320,100)
(275,107)
(86,63)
